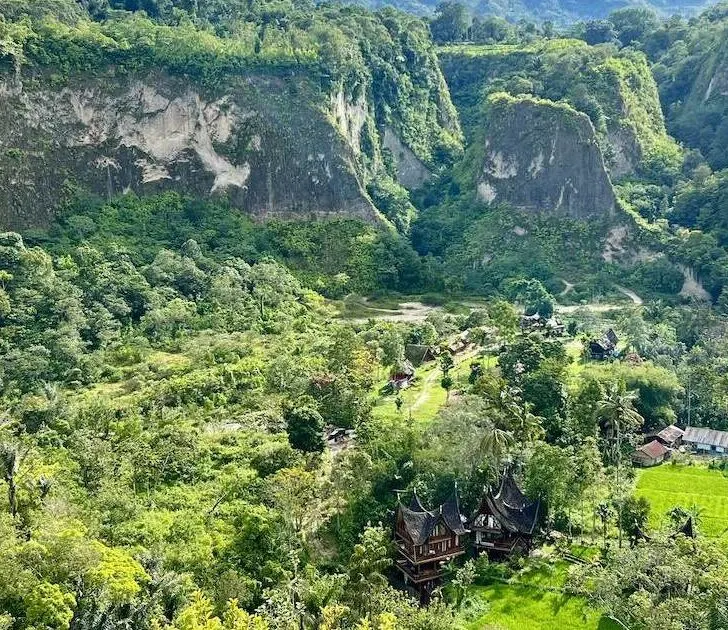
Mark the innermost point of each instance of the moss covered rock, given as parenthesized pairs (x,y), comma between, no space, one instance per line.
(538,155)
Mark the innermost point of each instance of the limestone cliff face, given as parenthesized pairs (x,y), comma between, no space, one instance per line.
(615,89)
(543,157)
(266,144)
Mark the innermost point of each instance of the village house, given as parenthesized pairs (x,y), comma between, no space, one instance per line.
(671,436)
(532,322)
(460,343)
(426,540)
(506,520)
(401,376)
(706,441)
(651,454)
(554,327)
(604,348)
(417,354)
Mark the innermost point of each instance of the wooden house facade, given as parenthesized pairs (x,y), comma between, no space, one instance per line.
(505,521)
(426,540)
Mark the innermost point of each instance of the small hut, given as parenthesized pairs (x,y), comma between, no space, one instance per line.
(670,436)
(651,454)
(401,376)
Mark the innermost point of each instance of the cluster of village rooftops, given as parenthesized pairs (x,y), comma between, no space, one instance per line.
(426,540)
(661,445)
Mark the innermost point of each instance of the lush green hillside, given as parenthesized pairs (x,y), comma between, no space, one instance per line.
(615,89)
(557,11)
(690,61)
(243,222)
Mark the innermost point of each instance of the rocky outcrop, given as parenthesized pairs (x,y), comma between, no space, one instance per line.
(543,157)
(411,172)
(265,145)
(615,89)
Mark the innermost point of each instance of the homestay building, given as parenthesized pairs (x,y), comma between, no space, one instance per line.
(707,441)
(426,540)
(506,520)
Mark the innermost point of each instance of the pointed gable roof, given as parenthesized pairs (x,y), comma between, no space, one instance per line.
(450,511)
(513,510)
(420,522)
(415,504)
(688,528)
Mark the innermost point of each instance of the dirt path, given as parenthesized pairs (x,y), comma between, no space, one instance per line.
(568,287)
(435,375)
(636,299)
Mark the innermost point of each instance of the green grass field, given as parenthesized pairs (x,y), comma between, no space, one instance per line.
(426,396)
(532,601)
(516,607)
(667,486)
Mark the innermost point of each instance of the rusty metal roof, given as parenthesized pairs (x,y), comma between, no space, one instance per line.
(711,437)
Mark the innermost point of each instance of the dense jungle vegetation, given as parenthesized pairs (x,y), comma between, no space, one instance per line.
(170,368)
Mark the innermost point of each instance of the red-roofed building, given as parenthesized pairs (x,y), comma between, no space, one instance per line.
(651,454)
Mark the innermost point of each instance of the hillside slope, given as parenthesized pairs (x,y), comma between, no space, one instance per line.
(692,74)
(557,11)
(292,131)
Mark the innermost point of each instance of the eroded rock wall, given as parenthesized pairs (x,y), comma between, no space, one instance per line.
(542,157)
(266,144)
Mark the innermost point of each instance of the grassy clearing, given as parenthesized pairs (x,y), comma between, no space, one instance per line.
(520,607)
(426,396)
(534,599)
(669,485)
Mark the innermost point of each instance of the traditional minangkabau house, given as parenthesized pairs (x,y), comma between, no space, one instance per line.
(427,540)
(604,348)
(506,520)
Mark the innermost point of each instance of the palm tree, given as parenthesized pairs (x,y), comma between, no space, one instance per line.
(617,416)
(494,445)
(604,512)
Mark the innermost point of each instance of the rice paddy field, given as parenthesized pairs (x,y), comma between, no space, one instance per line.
(669,485)
(534,600)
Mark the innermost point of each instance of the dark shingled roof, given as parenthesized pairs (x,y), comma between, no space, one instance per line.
(420,522)
(415,504)
(514,511)
(611,337)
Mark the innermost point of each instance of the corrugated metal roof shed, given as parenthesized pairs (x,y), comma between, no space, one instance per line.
(711,437)
(670,434)
(654,450)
